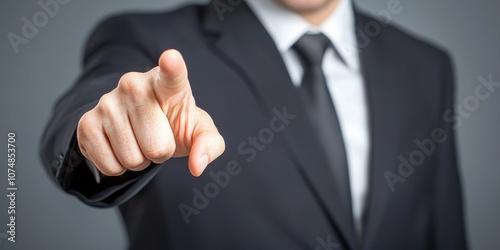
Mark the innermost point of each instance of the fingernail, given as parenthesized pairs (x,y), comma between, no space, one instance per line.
(204,162)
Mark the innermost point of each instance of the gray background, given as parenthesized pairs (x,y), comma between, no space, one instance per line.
(44,68)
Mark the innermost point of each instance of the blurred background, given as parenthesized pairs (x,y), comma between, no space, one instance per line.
(35,75)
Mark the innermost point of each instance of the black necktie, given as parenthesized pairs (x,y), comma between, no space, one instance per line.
(318,102)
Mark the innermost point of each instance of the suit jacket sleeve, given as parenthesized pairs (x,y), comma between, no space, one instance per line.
(113,49)
(448,209)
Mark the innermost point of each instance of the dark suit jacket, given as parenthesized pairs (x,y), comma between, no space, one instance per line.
(272,188)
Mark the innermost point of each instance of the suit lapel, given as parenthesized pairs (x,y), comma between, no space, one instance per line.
(245,45)
(381,81)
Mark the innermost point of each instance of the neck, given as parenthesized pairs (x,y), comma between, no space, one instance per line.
(318,16)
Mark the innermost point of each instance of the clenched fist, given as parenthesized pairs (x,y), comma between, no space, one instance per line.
(149,117)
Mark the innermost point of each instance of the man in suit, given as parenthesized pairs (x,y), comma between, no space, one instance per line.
(335,128)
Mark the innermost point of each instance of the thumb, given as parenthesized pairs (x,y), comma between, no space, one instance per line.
(172,76)
(207,144)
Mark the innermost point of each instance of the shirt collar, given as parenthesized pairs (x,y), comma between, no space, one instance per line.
(286,27)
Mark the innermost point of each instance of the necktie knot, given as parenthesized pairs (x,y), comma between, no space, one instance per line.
(311,48)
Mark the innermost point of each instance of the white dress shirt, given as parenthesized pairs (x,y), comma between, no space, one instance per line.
(341,67)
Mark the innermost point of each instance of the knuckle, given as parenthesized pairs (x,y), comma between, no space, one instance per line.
(106,104)
(205,117)
(141,166)
(107,167)
(128,77)
(103,163)
(222,144)
(132,161)
(130,86)
(170,150)
(159,153)
(111,171)
(84,127)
